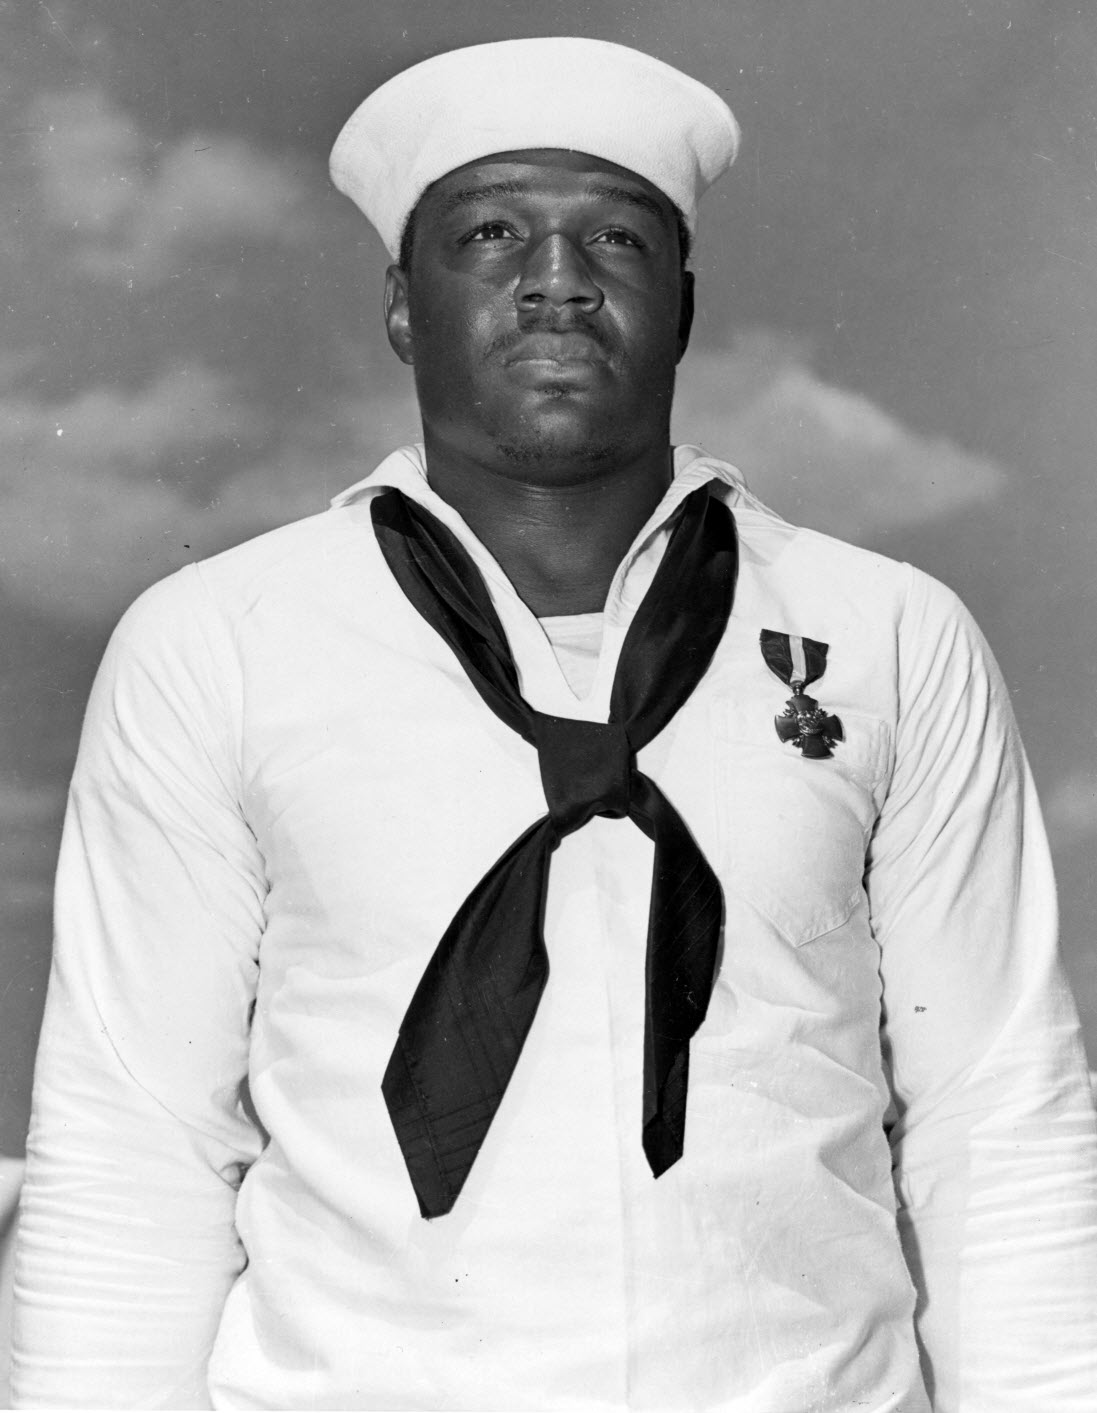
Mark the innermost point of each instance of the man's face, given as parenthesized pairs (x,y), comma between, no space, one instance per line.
(544,311)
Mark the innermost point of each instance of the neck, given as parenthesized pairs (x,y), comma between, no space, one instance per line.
(558,544)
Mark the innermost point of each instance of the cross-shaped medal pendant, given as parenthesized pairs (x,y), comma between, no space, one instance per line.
(803,723)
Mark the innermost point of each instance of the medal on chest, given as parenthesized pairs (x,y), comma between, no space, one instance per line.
(799,662)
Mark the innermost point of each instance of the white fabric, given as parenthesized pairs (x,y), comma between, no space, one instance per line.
(11,1177)
(285,788)
(584,94)
(576,639)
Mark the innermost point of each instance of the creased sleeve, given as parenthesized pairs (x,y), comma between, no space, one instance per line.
(993,1140)
(139,1135)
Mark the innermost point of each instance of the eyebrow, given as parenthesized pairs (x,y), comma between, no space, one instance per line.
(468,195)
(627,197)
(600,191)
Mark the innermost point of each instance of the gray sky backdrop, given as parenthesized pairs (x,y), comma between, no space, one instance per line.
(897,339)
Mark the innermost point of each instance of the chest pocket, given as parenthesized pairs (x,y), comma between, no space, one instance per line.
(792,832)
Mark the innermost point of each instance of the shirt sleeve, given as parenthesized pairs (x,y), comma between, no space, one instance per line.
(139,1135)
(993,1137)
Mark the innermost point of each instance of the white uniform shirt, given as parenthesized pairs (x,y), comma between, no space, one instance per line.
(285,789)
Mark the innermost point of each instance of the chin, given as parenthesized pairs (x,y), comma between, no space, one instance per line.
(529,449)
(563,436)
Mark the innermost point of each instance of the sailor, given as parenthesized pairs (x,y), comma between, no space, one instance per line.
(484,977)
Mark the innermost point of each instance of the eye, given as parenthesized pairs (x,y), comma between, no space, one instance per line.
(490,230)
(617,235)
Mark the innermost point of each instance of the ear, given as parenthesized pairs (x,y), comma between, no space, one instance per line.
(397,320)
(685,313)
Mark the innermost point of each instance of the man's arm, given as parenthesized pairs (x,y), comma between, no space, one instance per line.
(994,1142)
(138,1139)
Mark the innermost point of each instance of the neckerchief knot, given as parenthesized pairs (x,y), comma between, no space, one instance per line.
(586,769)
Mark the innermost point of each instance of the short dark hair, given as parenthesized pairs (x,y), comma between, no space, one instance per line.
(407,239)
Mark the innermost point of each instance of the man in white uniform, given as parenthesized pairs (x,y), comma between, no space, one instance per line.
(485,977)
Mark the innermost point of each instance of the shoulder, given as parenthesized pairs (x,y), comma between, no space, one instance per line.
(181,638)
(841,582)
(909,632)
(896,632)
(821,568)
(285,562)
(286,559)
(792,560)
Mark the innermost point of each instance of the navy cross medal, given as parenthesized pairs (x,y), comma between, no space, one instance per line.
(799,662)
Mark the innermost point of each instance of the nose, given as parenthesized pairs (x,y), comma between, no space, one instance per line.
(556,274)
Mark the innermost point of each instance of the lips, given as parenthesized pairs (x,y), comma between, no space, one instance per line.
(559,349)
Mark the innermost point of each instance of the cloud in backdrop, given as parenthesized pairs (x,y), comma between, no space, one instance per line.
(825,456)
(136,208)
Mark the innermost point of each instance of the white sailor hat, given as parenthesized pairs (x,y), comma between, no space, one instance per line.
(585,95)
